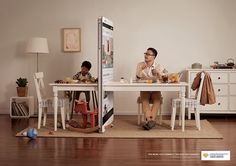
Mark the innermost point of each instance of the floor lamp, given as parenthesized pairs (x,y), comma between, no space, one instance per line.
(37,45)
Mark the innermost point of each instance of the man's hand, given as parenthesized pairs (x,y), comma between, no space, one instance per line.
(143,66)
(156,73)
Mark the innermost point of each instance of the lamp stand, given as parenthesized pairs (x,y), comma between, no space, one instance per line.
(37,62)
(35,115)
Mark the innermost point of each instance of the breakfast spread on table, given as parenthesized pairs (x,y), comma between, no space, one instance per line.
(167,78)
(69,80)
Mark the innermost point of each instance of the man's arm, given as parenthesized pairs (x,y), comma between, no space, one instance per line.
(139,70)
(156,74)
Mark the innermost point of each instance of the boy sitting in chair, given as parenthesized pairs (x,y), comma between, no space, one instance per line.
(84,76)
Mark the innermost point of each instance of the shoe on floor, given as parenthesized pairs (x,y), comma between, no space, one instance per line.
(146,127)
(151,124)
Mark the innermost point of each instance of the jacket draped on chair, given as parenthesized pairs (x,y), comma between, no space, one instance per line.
(208,94)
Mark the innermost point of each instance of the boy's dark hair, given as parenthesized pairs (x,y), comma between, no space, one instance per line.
(86,64)
(153,50)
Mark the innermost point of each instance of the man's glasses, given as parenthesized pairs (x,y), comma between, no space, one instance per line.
(148,54)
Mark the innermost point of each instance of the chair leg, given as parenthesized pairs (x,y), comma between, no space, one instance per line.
(199,122)
(96,119)
(44,116)
(189,114)
(67,108)
(63,117)
(160,114)
(142,117)
(180,117)
(85,120)
(92,120)
(72,105)
(67,115)
(139,114)
(197,118)
(39,117)
(173,114)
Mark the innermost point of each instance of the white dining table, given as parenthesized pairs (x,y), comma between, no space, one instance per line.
(56,87)
(118,86)
(166,87)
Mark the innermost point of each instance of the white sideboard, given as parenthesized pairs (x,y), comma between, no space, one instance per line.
(224,82)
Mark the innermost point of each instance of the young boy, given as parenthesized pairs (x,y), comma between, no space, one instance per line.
(82,76)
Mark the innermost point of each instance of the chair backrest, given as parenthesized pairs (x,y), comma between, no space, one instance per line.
(199,91)
(39,85)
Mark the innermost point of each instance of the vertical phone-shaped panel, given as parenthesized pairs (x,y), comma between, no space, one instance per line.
(105,71)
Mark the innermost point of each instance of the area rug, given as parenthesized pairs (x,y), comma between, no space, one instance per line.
(126,127)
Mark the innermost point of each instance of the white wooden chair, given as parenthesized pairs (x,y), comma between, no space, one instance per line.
(45,103)
(140,113)
(189,104)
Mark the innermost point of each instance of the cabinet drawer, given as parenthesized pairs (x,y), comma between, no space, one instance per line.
(232,104)
(232,77)
(221,104)
(219,77)
(232,89)
(221,90)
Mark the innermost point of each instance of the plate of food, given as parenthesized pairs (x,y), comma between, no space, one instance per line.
(174,78)
(144,81)
(66,81)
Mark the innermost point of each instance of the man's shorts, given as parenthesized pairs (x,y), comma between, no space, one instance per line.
(150,94)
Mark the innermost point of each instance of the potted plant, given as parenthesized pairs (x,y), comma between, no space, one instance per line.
(22,89)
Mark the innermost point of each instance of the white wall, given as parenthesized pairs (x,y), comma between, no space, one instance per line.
(183,32)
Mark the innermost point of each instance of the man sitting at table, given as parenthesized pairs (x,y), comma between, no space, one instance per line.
(83,76)
(152,71)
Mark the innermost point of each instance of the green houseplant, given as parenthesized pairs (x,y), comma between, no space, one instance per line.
(22,89)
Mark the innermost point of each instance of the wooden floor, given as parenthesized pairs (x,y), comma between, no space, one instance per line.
(16,151)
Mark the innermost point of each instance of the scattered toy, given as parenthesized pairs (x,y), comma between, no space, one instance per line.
(31,133)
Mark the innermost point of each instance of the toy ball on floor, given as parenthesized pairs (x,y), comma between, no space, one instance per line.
(31,133)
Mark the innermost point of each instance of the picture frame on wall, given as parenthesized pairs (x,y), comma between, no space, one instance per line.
(71,39)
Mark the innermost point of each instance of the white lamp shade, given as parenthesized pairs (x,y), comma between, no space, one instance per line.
(37,45)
